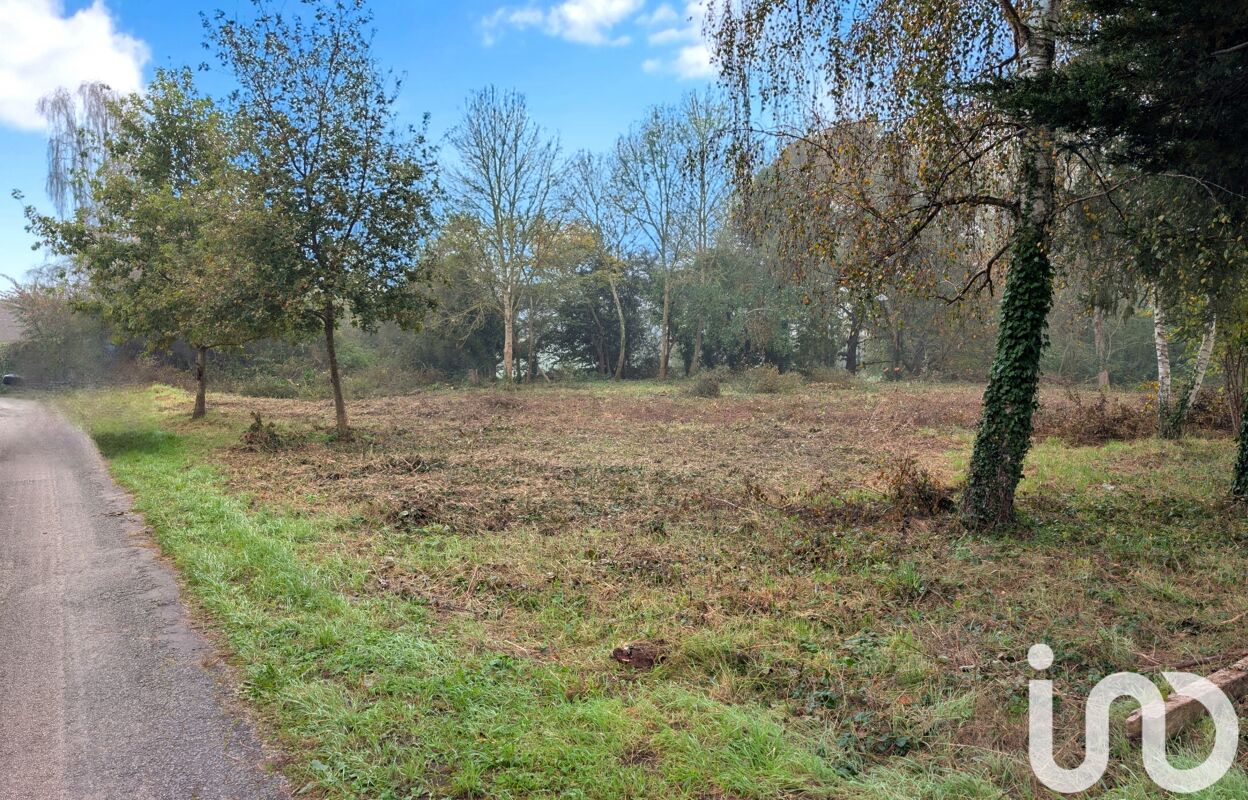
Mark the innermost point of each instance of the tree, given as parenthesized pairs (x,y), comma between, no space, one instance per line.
(650,161)
(62,343)
(595,199)
(175,244)
(904,69)
(704,126)
(78,125)
(355,187)
(1162,86)
(504,181)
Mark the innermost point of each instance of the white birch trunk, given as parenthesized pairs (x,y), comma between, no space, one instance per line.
(1102,354)
(1202,365)
(1163,357)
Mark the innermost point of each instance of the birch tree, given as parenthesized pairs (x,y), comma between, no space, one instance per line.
(650,173)
(595,198)
(704,128)
(505,180)
(796,69)
(79,123)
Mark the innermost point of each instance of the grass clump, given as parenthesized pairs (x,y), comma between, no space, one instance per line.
(767,379)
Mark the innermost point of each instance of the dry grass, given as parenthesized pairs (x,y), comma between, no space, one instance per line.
(798,550)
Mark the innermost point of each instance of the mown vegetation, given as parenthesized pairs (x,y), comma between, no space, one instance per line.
(444,605)
(671,470)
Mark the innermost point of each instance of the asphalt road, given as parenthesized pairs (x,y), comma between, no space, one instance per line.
(106,693)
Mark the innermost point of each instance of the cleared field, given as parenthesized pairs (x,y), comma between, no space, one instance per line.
(625,591)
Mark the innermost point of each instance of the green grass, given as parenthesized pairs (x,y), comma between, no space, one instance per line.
(876,671)
(377,703)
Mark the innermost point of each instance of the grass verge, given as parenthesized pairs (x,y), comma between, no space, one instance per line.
(836,659)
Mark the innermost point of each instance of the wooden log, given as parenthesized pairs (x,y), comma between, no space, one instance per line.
(1181,709)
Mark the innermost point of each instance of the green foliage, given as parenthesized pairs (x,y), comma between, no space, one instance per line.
(269,386)
(1004,434)
(175,244)
(62,345)
(1161,84)
(354,188)
(1239,487)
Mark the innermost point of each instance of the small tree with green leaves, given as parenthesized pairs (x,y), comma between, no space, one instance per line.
(176,243)
(355,187)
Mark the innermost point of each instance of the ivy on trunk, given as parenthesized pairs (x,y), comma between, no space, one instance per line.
(1004,434)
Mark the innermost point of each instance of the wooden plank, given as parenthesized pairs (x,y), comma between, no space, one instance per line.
(1182,710)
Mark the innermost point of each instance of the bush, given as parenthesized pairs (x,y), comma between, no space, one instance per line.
(913,491)
(1103,420)
(705,384)
(768,380)
(383,381)
(262,436)
(1211,412)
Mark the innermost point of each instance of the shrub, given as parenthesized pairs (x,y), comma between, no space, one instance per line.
(705,384)
(913,491)
(382,381)
(768,380)
(1103,420)
(262,436)
(1211,411)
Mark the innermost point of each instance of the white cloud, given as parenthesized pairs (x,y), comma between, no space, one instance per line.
(691,60)
(44,49)
(694,62)
(671,36)
(582,21)
(662,15)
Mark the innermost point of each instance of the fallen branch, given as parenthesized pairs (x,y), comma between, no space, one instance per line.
(1232,620)
(1182,709)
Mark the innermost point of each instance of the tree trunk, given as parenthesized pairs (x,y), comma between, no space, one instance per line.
(619,313)
(1102,350)
(1203,355)
(852,343)
(1240,487)
(1234,371)
(201,383)
(335,380)
(531,371)
(509,340)
(665,329)
(1004,434)
(696,360)
(1165,414)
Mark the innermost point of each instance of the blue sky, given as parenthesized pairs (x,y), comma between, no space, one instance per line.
(588,67)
